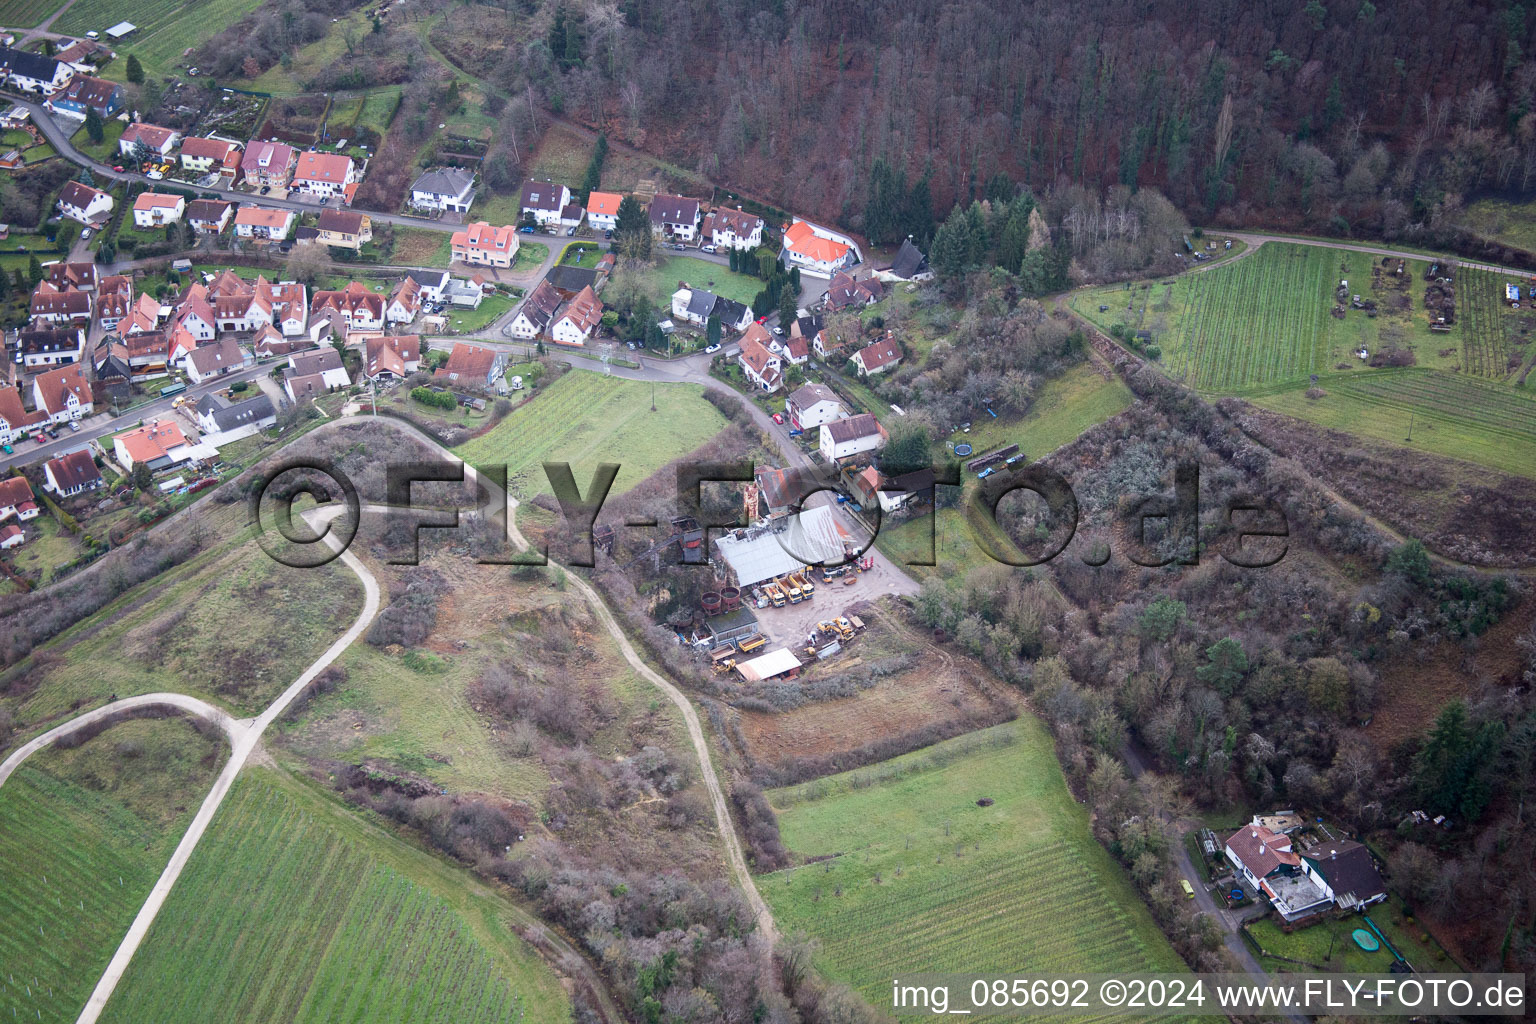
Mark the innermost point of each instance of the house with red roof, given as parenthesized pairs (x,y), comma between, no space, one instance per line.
(575,323)
(360,307)
(268,164)
(15,420)
(201,155)
(71,474)
(878,356)
(325,174)
(114,300)
(758,362)
(154,209)
(817,250)
(17,499)
(51,304)
(63,394)
(484,245)
(160,142)
(388,356)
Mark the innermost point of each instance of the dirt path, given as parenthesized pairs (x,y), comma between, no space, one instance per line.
(244,736)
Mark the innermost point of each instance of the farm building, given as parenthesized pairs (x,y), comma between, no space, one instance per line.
(724,630)
(781,662)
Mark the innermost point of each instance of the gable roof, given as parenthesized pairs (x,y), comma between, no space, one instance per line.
(909,261)
(29,342)
(266,157)
(28,64)
(263,216)
(481,236)
(207,211)
(48,300)
(802,239)
(444,181)
(756,355)
(667,209)
(56,386)
(1262,851)
(701,303)
(880,353)
(14,490)
(77,469)
(152,135)
(852,428)
(390,353)
(547,196)
(739,222)
(200,148)
(93,92)
(604,203)
(320,360)
(1347,867)
(585,310)
(343,222)
(808,395)
(729,311)
(70,275)
(157,201)
(541,304)
(429,278)
(469,362)
(208,359)
(333,168)
(79,196)
(571,279)
(354,297)
(151,441)
(229,415)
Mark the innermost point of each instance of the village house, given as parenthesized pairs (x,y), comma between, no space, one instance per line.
(481,244)
(575,324)
(845,293)
(50,305)
(467,294)
(86,93)
(855,435)
(263,223)
(147,353)
(157,444)
(194,314)
(391,357)
(202,155)
(312,374)
(11,536)
(793,351)
(90,206)
(72,474)
(693,305)
(111,362)
(223,421)
(603,210)
(444,190)
(147,316)
(827,345)
(761,366)
(63,394)
(360,307)
(811,405)
(733,229)
(569,281)
(268,165)
(179,343)
(542,201)
(209,216)
(345,229)
(325,174)
(1346,873)
(816,250)
(878,356)
(570,215)
(41,348)
(405,301)
(208,361)
(431,282)
(14,418)
(114,300)
(870,487)
(474,366)
(1266,861)
(64,275)
(157,141)
(153,210)
(908,265)
(675,218)
(17,499)
(536,312)
(28,72)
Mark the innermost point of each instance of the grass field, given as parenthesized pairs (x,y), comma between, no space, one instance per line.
(1065,407)
(106,148)
(1511,223)
(1264,320)
(1330,946)
(84,833)
(165,27)
(923,878)
(471,321)
(419,247)
(26,13)
(585,418)
(232,626)
(293,910)
(47,547)
(1448,414)
(310,59)
(662,279)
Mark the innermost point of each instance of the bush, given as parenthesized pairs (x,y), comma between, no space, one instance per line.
(435,399)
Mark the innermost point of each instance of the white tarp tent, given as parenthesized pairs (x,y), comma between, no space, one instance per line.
(774,663)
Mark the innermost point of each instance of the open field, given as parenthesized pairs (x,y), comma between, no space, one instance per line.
(47,546)
(105,149)
(472,321)
(26,13)
(1511,223)
(563,155)
(418,247)
(84,833)
(1064,407)
(662,279)
(293,910)
(1448,414)
(231,626)
(165,27)
(1264,320)
(920,874)
(585,418)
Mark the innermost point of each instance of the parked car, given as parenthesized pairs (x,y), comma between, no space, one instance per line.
(712,348)
(40,438)
(74,426)
(265,189)
(325,201)
(569,232)
(7,449)
(778,417)
(608,233)
(526,229)
(118,168)
(778,330)
(706,248)
(85,233)
(154,175)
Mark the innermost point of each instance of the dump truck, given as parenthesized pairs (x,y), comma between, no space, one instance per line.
(751,643)
(795,594)
(806,586)
(775,595)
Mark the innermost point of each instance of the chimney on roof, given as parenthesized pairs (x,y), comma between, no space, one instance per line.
(1261,848)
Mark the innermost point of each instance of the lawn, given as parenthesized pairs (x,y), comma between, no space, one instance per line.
(421,247)
(921,878)
(1449,414)
(378,109)
(952,545)
(104,151)
(292,909)
(84,833)
(1264,321)
(47,547)
(309,59)
(26,13)
(1510,223)
(1329,945)
(530,256)
(585,418)
(165,27)
(472,321)
(662,279)
(231,626)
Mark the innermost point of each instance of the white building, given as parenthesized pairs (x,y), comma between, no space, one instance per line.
(845,438)
(444,190)
(153,210)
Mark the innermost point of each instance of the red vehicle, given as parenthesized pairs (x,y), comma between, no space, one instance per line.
(118,168)
(778,417)
(762,319)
